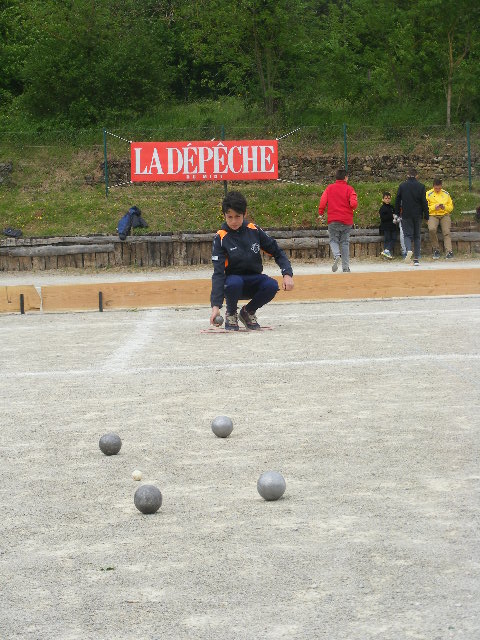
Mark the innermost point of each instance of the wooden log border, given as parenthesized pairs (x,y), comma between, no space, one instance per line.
(350,286)
(38,254)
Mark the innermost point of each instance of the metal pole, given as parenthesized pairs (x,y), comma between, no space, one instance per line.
(345,145)
(469,158)
(222,135)
(22,304)
(105,161)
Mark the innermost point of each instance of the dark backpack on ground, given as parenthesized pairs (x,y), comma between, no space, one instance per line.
(12,233)
(132,219)
(137,220)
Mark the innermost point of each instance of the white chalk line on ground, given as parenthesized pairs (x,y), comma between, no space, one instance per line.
(401,312)
(329,362)
(140,335)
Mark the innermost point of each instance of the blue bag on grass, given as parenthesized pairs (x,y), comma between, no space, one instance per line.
(124,226)
(133,218)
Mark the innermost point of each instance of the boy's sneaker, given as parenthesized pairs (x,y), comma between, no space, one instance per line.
(408,257)
(347,270)
(335,263)
(231,322)
(416,263)
(249,320)
(386,254)
(436,254)
(449,255)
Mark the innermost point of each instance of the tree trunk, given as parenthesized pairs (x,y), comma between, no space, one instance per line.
(449,79)
(449,96)
(452,65)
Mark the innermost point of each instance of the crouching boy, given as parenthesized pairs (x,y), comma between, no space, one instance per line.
(237,266)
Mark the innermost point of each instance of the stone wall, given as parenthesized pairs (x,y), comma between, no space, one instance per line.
(375,168)
(321,169)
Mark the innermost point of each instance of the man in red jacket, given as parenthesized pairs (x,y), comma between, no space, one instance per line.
(340,200)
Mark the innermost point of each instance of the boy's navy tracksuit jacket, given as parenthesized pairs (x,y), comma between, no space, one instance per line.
(238,252)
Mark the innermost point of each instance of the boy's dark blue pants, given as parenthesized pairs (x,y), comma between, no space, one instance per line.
(259,287)
(389,239)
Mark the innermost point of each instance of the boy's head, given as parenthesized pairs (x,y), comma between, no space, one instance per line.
(341,174)
(234,208)
(387,197)
(236,201)
(437,185)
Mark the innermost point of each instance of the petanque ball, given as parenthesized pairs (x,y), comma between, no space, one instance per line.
(148,498)
(222,426)
(271,485)
(110,444)
(218,320)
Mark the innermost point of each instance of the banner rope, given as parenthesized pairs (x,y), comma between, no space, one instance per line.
(288,134)
(119,137)
(301,184)
(121,184)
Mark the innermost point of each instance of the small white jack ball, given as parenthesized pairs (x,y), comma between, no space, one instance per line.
(137,474)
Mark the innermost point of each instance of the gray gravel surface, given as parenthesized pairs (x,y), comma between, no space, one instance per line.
(370,410)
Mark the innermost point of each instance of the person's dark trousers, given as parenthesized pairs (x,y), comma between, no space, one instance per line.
(389,239)
(259,287)
(411,232)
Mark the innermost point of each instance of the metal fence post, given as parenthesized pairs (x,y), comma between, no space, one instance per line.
(469,158)
(105,161)
(345,145)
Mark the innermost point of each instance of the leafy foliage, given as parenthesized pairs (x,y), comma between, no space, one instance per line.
(74,63)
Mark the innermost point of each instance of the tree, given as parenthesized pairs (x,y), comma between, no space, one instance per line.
(451,43)
(462,39)
(91,60)
(261,50)
(86,61)
(14,41)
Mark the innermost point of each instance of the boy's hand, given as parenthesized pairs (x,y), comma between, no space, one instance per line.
(321,218)
(287,283)
(214,314)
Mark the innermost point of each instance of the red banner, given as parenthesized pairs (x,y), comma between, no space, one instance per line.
(205,160)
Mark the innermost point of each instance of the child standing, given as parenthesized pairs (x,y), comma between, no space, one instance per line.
(388,226)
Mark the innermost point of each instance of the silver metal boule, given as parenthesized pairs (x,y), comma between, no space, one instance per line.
(222,426)
(148,498)
(110,444)
(271,485)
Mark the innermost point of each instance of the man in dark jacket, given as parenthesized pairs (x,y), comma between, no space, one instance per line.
(411,204)
(237,266)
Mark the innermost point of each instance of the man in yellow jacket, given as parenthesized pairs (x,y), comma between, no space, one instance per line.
(440,206)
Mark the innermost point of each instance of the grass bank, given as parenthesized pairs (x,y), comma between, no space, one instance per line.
(46,195)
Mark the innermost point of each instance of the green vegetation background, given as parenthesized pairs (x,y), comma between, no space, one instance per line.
(173,67)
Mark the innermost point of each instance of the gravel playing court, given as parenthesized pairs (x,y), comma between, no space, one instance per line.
(369,409)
